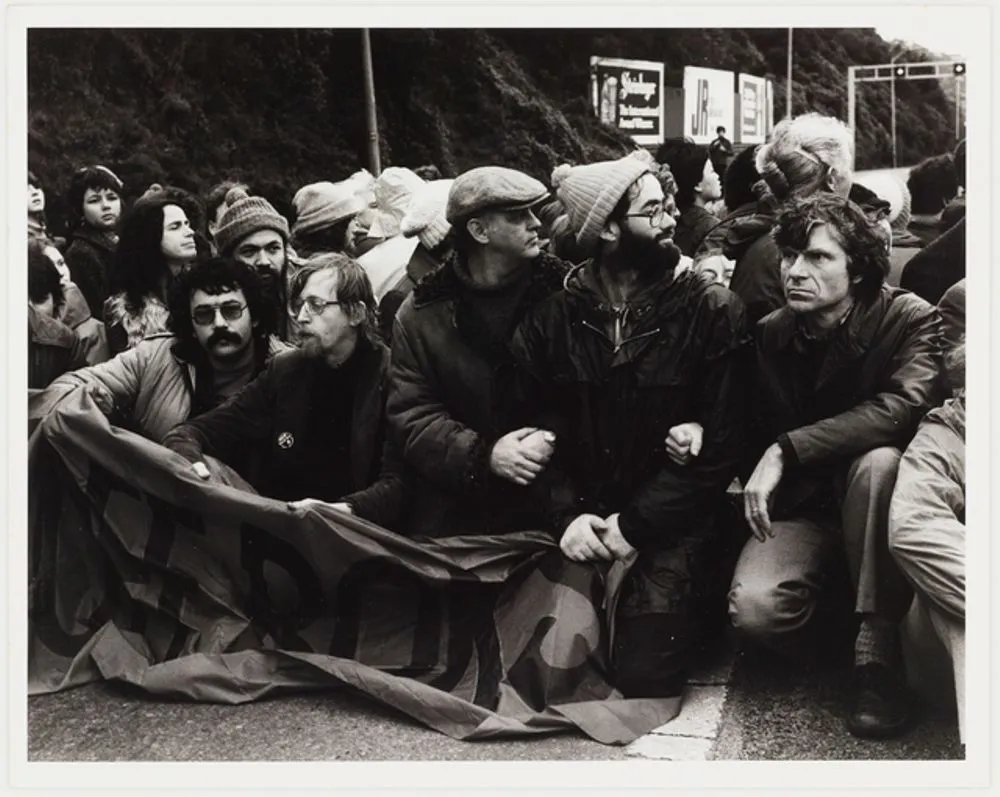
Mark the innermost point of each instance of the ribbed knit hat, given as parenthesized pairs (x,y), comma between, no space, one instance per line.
(590,192)
(244,215)
(425,218)
(321,205)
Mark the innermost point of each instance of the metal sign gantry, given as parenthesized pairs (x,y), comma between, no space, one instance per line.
(891,72)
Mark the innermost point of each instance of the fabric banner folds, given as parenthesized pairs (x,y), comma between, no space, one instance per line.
(140,572)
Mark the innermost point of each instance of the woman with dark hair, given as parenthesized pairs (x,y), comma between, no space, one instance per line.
(157,243)
(95,206)
(53,348)
(37,224)
(73,311)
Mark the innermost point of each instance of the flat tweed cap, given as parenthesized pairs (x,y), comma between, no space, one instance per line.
(492,188)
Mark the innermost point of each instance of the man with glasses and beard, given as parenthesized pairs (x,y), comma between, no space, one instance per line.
(310,428)
(221,339)
(629,363)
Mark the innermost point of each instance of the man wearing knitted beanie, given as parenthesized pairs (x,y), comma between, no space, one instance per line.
(637,368)
(450,405)
(252,232)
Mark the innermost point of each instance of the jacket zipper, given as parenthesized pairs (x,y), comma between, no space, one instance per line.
(618,348)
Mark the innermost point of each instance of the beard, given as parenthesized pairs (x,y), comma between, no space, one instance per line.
(651,257)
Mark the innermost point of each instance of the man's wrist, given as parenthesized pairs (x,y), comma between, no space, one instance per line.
(784,449)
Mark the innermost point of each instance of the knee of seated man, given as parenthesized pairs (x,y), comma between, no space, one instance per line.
(765,611)
(883,461)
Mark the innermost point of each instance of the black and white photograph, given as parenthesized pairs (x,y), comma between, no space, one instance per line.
(521,385)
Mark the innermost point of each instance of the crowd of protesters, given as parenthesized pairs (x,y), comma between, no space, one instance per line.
(612,355)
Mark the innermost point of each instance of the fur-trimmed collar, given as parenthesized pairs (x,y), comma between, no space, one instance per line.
(547,273)
(149,318)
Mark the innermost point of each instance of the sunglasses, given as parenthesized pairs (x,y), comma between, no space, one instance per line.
(231,311)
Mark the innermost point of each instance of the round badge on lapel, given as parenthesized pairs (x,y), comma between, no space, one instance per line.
(286,440)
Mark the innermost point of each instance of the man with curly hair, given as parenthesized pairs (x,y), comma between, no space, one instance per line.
(845,372)
(221,339)
(310,428)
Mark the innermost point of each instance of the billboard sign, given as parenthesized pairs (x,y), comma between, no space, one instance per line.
(753,109)
(708,102)
(629,95)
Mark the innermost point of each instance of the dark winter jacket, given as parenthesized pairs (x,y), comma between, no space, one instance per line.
(882,372)
(692,227)
(938,266)
(450,400)
(257,429)
(89,258)
(679,361)
(757,273)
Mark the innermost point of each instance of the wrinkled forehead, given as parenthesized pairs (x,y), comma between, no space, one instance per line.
(203,298)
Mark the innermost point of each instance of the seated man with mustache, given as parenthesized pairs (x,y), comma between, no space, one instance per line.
(222,338)
(628,355)
(310,429)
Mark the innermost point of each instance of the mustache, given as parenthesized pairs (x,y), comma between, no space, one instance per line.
(223,336)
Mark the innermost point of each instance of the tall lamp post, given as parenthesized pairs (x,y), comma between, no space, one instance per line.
(892,105)
(788,79)
(370,116)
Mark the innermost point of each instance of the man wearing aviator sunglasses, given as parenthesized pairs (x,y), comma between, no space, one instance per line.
(221,339)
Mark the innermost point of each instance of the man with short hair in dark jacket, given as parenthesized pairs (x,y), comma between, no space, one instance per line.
(450,410)
(625,361)
(845,371)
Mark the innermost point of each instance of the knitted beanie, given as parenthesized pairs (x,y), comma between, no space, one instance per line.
(590,192)
(321,205)
(245,215)
(425,217)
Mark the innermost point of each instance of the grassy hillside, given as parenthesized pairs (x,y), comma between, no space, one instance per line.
(279,108)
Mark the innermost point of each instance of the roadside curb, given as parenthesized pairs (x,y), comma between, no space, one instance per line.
(691,735)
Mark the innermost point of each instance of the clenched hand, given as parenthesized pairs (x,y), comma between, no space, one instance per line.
(684,442)
(519,456)
(582,542)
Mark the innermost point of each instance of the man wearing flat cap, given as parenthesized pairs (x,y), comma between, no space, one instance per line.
(637,369)
(450,407)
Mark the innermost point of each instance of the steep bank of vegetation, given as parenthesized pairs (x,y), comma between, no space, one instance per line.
(279,108)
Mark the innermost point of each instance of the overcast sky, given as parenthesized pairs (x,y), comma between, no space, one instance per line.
(946,40)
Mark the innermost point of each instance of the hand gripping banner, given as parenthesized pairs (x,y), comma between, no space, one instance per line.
(141,572)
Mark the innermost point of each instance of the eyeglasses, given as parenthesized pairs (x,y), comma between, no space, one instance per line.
(655,216)
(203,316)
(315,305)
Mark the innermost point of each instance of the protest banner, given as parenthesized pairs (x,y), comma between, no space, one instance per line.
(141,572)
(629,95)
